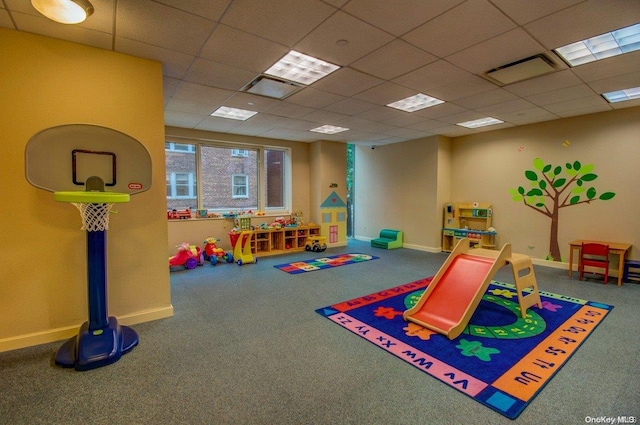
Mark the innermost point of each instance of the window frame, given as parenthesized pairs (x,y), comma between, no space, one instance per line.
(262,170)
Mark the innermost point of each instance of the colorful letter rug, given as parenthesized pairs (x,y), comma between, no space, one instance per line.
(500,360)
(324,263)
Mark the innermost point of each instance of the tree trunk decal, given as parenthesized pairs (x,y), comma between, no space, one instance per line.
(552,189)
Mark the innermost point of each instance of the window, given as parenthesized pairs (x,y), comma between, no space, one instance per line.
(239,152)
(240,188)
(179,147)
(220,177)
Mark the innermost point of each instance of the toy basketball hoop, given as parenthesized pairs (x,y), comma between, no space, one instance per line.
(76,162)
(94,207)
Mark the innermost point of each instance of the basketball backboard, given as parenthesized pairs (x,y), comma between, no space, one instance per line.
(62,158)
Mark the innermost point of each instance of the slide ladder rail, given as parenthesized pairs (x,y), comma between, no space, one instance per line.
(526,283)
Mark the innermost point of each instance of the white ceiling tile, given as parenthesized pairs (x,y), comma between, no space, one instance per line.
(201,93)
(392,60)
(221,125)
(351,106)
(210,9)
(439,73)
(527,116)
(627,104)
(584,20)
(251,102)
(619,82)
(282,21)
(569,93)
(545,83)
(486,98)
(498,51)
(506,107)
(191,107)
(463,88)
(441,110)
(313,98)
(428,125)
(526,11)
(610,67)
(218,75)
(181,119)
(163,26)
(290,110)
(462,117)
(174,64)
(407,14)
(380,113)
(593,101)
(385,93)
(347,82)
(584,111)
(325,117)
(477,20)
(241,49)
(362,39)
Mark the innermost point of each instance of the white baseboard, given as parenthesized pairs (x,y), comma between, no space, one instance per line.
(52,335)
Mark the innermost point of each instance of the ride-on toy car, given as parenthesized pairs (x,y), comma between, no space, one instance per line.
(189,256)
(315,244)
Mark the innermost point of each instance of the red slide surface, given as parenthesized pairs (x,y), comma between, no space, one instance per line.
(463,282)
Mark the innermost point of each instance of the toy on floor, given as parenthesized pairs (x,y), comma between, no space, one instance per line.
(316,244)
(214,254)
(188,256)
(241,243)
(453,295)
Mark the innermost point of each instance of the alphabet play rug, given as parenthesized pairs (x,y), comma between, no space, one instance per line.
(500,360)
(324,263)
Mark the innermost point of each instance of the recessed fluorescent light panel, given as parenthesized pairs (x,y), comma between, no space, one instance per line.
(622,95)
(233,113)
(329,129)
(482,122)
(298,67)
(415,103)
(603,46)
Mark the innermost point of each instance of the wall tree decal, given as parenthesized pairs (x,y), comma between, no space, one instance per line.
(552,189)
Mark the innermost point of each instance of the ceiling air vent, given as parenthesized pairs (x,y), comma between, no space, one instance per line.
(524,69)
(272,87)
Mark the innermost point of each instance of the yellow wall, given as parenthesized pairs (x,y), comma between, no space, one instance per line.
(397,187)
(43,83)
(405,185)
(328,165)
(485,166)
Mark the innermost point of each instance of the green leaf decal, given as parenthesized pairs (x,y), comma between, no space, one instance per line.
(576,165)
(517,198)
(574,200)
(568,166)
(534,192)
(591,193)
(587,169)
(578,190)
(546,169)
(531,175)
(538,164)
(589,177)
(542,184)
(559,182)
(606,196)
(557,170)
(521,190)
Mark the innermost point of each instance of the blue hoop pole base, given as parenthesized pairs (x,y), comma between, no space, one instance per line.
(91,349)
(101,340)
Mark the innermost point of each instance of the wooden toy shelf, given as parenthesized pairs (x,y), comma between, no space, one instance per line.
(280,241)
(470,220)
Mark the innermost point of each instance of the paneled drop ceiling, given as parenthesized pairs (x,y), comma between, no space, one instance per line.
(387,50)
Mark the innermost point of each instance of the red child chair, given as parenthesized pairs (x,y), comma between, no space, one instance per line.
(594,255)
